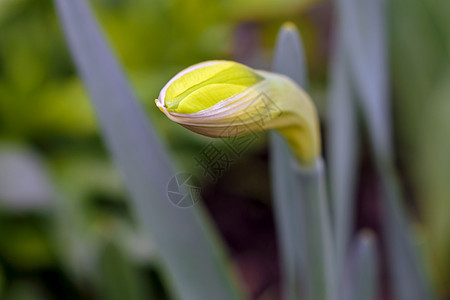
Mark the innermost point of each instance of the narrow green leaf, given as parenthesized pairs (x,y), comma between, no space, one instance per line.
(321,261)
(288,60)
(301,207)
(188,245)
(364,39)
(365,44)
(362,274)
(289,57)
(342,150)
(409,277)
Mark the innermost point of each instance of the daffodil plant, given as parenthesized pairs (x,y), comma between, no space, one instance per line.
(223,99)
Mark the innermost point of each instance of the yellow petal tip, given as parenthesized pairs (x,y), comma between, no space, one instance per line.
(159,105)
(289,26)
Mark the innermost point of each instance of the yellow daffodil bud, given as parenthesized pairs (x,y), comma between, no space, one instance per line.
(225,98)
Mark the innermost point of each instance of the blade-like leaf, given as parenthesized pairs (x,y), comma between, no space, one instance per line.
(288,60)
(365,40)
(362,274)
(187,244)
(362,31)
(342,150)
(301,206)
(289,57)
(409,277)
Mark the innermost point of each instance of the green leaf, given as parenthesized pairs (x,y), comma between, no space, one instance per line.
(288,60)
(289,57)
(301,207)
(187,244)
(343,149)
(409,277)
(362,274)
(320,247)
(364,37)
(421,84)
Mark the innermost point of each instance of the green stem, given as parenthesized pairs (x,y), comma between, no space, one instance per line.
(321,280)
(361,275)
(287,209)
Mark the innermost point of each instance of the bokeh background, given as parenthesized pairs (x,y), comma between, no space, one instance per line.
(65,225)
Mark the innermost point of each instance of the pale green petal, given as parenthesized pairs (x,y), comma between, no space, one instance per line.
(207,96)
(191,79)
(215,72)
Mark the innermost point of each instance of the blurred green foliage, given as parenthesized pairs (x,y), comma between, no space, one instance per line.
(46,118)
(420,46)
(44,109)
(36,76)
